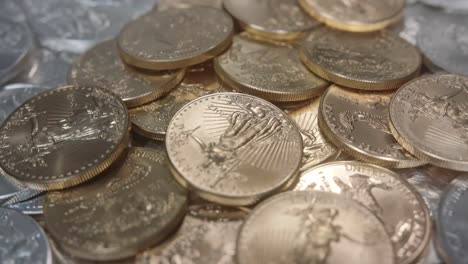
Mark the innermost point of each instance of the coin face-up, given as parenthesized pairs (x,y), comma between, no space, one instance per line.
(16,46)
(233,149)
(355,15)
(22,239)
(151,120)
(444,43)
(102,67)
(379,190)
(429,118)
(63,137)
(272,19)
(452,235)
(130,207)
(316,147)
(272,72)
(370,61)
(357,121)
(175,38)
(33,206)
(313,227)
(198,240)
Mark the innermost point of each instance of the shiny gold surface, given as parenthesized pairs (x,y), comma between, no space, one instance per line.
(357,121)
(272,72)
(366,61)
(175,38)
(102,67)
(355,15)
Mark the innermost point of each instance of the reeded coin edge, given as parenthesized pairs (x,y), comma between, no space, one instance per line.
(270,95)
(234,200)
(359,153)
(411,148)
(427,217)
(354,83)
(353,26)
(58,184)
(175,63)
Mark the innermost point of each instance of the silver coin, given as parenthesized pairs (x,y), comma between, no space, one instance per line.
(449,5)
(22,240)
(444,42)
(33,206)
(430,182)
(90,20)
(16,47)
(452,233)
(198,241)
(12,96)
(49,67)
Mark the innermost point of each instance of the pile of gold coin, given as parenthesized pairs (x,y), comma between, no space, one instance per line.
(248,132)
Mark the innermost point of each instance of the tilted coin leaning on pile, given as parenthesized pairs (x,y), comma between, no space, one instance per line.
(235,131)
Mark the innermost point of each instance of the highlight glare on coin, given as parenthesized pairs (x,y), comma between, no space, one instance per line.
(233,149)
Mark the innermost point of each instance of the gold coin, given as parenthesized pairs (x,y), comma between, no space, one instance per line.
(63,137)
(175,38)
(272,72)
(367,61)
(357,121)
(355,15)
(151,120)
(316,147)
(313,227)
(130,207)
(429,117)
(271,19)
(388,196)
(102,67)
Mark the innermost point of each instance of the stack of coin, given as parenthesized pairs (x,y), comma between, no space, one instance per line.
(223,132)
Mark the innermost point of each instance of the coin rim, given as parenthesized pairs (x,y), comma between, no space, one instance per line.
(413,149)
(75,179)
(171,64)
(234,200)
(137,100)
(353,26)
(371,85)
(355,151)
(427,217)
(122,253)
(271,199)
(280,35)
(263,92)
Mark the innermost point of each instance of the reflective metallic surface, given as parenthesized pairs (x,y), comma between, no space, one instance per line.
(444,41)
(371,61)
(131,207)
(272,72)
(102,67)
(166,4)
(232,148)
(273,19)
(316,147)
(357,121)
(355,15)
(151,120)
(16,46)
(87,125)
(429,118)
(198,241)
(33,206)
(313,227)
(22,240)
(191,39)
(379,190)
(451,222)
